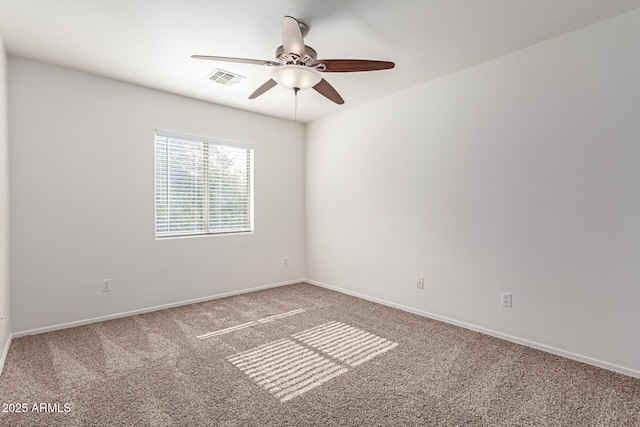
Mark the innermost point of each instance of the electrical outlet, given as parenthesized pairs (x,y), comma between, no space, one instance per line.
(285,262)
(106,285)
(506,299)
(420,283)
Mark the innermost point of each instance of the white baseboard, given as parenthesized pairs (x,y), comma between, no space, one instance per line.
(5,351)
(148,309)
(537,346)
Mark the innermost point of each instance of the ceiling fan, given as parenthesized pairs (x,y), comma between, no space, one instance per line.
(297,66)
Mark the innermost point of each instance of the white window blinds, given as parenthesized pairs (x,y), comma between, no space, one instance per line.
(202,187)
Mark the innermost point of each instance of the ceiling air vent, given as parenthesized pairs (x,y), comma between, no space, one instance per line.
(225,77)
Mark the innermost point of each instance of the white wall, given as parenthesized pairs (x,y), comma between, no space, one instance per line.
(82,199)
(5,295)
(519,175)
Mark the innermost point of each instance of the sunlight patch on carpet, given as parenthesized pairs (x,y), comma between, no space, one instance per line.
(349,345)
(290,367)
(249,324)
(280,316)
(286,369)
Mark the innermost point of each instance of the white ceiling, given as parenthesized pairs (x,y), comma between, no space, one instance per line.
(149,42)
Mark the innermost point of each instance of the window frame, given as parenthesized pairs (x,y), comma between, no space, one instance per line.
(209,141)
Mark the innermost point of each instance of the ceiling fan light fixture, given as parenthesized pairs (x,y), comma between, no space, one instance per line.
(298,67)
(296,76)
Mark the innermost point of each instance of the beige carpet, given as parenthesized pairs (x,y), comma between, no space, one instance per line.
(300,355)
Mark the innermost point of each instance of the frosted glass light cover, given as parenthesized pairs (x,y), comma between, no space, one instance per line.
(296,76)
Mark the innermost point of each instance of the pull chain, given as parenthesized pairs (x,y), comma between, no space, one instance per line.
(295,112)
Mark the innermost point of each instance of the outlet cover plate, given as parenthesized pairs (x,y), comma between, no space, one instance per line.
(506,299)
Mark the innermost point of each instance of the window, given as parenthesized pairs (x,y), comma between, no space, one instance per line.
(202,187)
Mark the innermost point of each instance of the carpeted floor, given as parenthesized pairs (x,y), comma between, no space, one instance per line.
(299,355)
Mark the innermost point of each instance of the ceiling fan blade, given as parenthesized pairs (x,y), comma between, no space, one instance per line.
(351,65)
(292,37)
(262,89)
(326,90)
(239,60)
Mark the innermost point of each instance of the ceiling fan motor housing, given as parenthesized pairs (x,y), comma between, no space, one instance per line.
(310,55)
